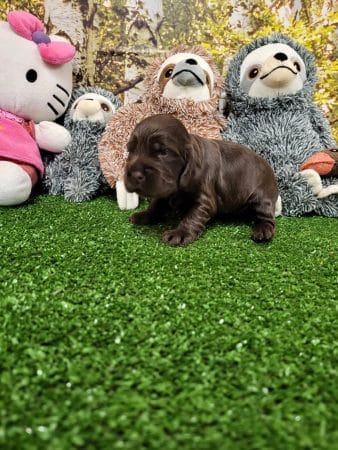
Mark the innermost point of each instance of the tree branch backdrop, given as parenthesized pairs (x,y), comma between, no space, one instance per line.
(116,38)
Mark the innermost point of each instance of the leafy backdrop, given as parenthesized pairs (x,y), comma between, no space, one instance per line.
(116,38)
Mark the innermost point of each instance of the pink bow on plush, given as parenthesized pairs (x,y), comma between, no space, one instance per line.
(31,28)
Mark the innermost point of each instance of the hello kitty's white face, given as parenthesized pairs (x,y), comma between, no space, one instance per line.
(29,87)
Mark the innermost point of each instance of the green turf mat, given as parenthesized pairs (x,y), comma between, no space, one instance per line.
(112,340)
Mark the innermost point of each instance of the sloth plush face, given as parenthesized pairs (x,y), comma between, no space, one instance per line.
(186,76)
(272,70)
(92,107)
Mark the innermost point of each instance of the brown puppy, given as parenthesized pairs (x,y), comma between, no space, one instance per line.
(202,177)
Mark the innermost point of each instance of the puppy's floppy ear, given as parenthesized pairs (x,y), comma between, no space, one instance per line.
(191,172)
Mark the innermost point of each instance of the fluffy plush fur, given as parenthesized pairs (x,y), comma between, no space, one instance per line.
(202,177)
(76,172)
(286,129)
(200,117)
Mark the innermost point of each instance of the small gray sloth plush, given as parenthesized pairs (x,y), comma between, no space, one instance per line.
(76,172)
(269,89)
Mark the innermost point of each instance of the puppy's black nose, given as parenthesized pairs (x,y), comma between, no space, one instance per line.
(280,56)
(191,61)
(136,175)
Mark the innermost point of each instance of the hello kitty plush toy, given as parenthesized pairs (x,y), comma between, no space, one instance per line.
(35,88)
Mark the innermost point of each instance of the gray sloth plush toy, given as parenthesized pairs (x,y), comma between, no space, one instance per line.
(269,91)
(76,172)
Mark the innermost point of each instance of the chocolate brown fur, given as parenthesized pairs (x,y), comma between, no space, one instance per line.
(202,177)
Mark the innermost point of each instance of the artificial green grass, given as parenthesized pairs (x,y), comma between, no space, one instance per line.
(112,340)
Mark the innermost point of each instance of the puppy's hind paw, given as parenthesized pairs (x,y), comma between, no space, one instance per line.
(263,232)
(178,237)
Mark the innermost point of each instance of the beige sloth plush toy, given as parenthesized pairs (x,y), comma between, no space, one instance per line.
(185,83)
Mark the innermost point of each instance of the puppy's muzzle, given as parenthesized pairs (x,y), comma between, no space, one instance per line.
(135,179)
(136,176)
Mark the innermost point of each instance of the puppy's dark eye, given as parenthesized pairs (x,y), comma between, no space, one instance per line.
(163,152)
(297,66)
(158,149)
(105,107)
(168,73)
(253,73)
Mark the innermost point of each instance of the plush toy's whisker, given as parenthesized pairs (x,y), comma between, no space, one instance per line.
(63,89)
(53,109)
(59,100)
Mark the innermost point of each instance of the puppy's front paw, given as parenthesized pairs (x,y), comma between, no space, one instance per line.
(263,232)
(178,237)
(141,218)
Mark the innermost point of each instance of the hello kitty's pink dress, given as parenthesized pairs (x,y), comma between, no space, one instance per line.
(17,144)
